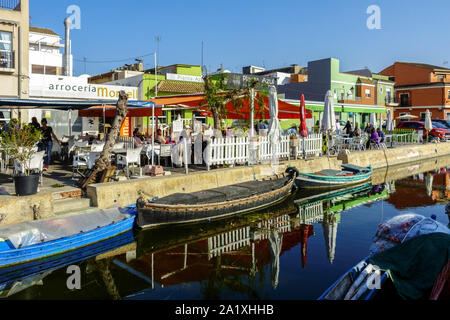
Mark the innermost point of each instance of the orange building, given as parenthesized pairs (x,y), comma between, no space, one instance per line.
(419,87)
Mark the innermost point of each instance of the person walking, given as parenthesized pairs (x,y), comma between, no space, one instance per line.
(47,142)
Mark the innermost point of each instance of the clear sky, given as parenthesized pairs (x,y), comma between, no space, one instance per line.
(246,32)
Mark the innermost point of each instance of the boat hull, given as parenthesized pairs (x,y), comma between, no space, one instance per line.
(336,179)
(311,182)
(155,215)
(16,256)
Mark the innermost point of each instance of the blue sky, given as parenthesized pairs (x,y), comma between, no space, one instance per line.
(246,32)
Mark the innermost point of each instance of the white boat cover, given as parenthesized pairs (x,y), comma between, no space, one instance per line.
(29,233)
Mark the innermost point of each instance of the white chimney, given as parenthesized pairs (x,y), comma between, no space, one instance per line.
(67,49)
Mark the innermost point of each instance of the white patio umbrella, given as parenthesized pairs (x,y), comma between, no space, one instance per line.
(428,125)
(373,120)
(389,124)
(274,126)
(407,117)
(329,119)
(275,242)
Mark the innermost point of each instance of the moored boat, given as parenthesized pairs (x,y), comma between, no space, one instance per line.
(215,203)
(31,241)
(329,178)
(409,259)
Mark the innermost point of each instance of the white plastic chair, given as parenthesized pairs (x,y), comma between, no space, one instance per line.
(97,147)
(133,156)
(36,163)
(84,160)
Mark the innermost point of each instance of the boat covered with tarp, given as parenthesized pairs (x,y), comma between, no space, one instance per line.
(30,241)
(332,178)
(215,203)
(409,260)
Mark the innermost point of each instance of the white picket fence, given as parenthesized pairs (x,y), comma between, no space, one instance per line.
(236,150)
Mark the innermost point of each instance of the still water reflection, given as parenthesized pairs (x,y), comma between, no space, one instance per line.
(293,251)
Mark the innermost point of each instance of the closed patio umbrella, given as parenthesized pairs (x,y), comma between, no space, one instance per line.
(389,124)
(303,130)
(373,120)
(428,125)
(329,119)
(274,126)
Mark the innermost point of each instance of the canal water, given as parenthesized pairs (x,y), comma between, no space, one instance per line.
(293,251)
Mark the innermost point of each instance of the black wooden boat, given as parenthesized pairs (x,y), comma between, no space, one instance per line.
(215,203)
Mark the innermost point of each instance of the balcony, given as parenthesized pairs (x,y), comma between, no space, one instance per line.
(392,102)
(7,61)
(10,4)
(350,100)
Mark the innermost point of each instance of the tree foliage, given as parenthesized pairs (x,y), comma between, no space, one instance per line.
(218,95)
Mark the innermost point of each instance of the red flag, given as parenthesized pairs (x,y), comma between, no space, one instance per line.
(303,130)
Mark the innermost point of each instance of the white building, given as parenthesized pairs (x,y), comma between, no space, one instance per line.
(46,52)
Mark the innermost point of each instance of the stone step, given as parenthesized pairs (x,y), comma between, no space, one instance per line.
(69,206)
(67,193)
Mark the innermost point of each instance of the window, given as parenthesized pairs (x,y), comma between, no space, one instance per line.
(342,94)
(448,94)
(422,115)
(368,93)
(404,100)
(6,53)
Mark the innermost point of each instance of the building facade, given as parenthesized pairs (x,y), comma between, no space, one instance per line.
(356,94)
(14,73)
(419,87)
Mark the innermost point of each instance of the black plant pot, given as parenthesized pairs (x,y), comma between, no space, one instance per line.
(26,185)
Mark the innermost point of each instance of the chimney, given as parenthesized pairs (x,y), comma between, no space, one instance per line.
(67,49)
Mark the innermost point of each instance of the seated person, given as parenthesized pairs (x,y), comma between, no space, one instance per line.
(137,138)
(355,133)
(159,138)
(380,134)
(373,139)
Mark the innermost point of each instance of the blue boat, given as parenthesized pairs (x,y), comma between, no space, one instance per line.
(329,178)
(353,284)
(31,241)
(10,275)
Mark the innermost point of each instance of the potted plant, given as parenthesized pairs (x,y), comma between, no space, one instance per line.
(19,141)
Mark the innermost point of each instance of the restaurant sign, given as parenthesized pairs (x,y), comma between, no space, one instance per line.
(45,86)
(238,81)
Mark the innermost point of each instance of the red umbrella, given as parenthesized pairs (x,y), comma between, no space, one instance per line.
(303,130)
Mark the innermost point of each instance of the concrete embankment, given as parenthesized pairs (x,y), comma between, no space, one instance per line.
(395,156)
(390,164)
(126,192)
(402,171)
(47,204)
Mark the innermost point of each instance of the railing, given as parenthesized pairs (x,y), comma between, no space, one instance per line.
(391,100)
(10,4)
(237,150)
(349,99)
(6,59)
